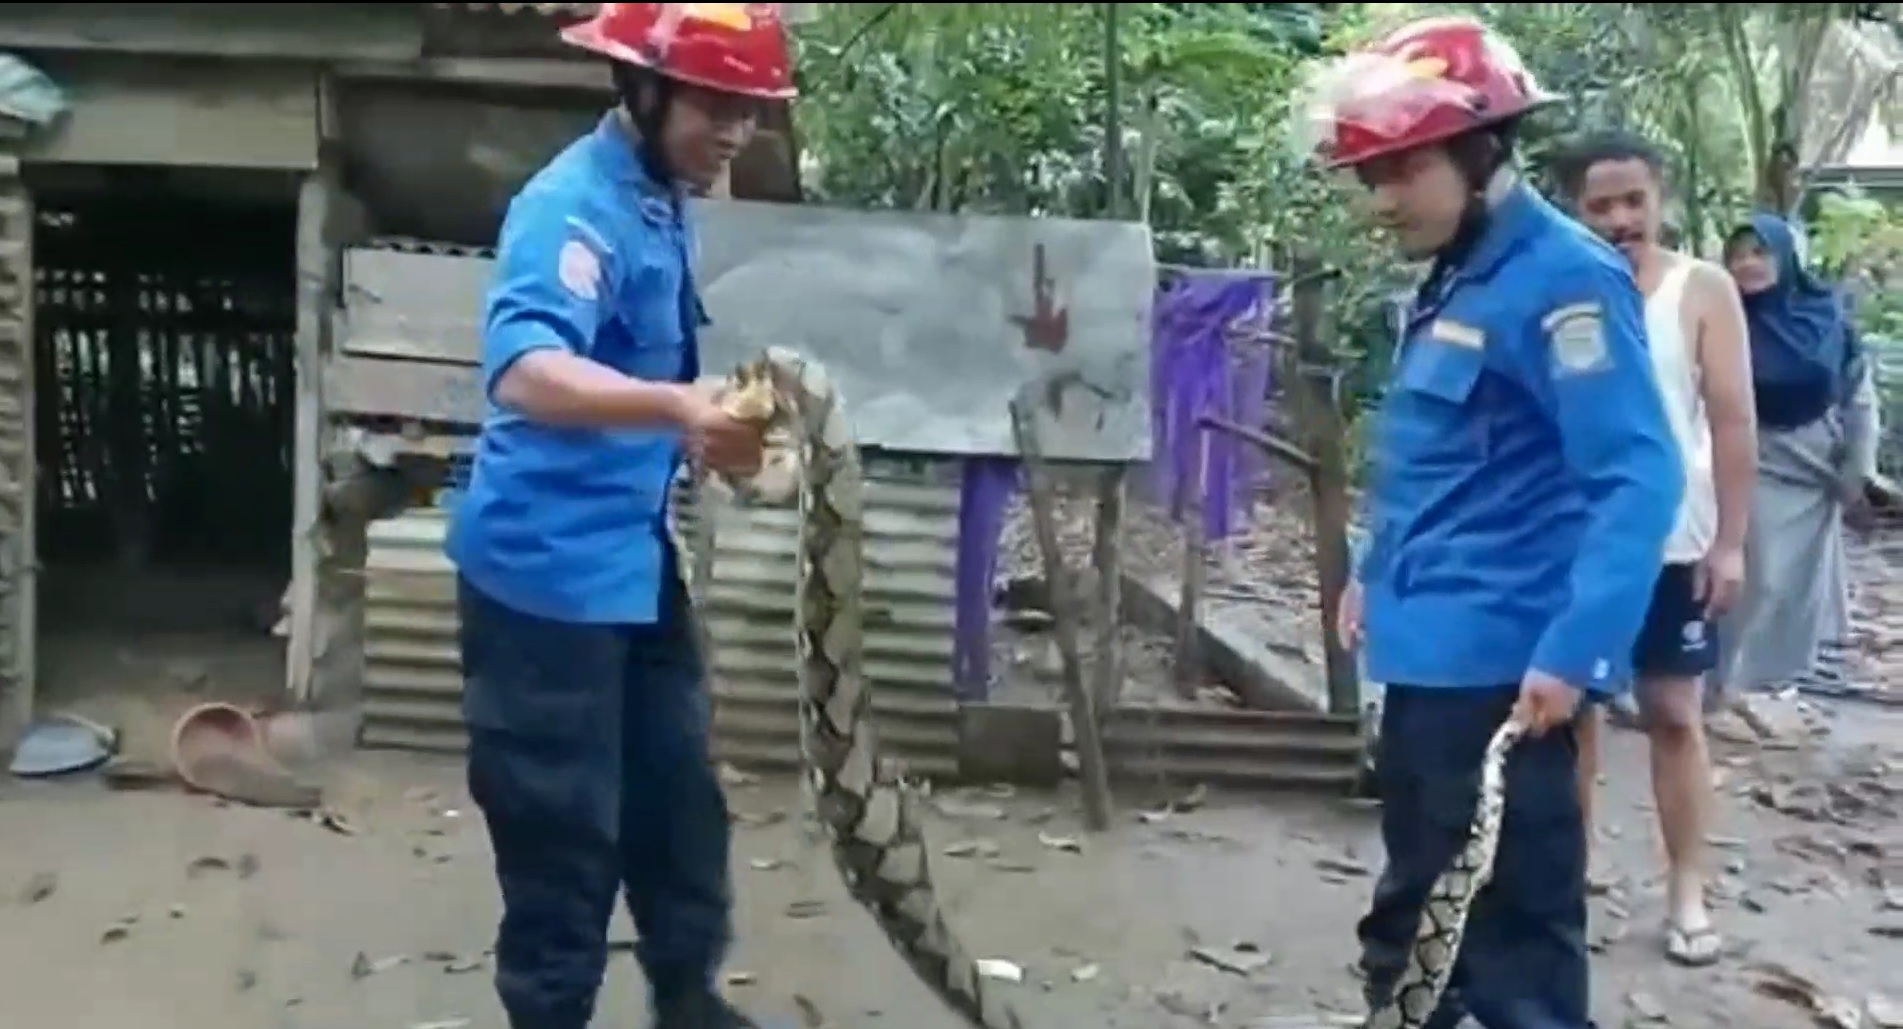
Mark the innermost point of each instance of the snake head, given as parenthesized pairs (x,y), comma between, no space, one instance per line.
(753,394)
(749,394)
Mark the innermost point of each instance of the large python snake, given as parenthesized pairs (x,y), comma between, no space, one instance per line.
(872,816)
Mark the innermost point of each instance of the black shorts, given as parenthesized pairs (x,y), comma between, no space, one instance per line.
(1677,639)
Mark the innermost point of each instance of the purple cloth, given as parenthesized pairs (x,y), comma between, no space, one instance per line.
(1195,371)
(985,493)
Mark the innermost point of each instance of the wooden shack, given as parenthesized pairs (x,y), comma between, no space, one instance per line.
(173,255)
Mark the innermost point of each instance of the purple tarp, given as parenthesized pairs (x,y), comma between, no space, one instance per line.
(1193,371)
(985,494)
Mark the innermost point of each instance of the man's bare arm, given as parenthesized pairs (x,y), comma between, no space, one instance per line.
(1724,359)
(556,387)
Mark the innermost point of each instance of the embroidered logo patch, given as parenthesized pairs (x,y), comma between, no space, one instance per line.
(1693,635)
(1578,336)
(579,269)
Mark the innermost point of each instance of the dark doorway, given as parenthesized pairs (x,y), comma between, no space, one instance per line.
(165,389)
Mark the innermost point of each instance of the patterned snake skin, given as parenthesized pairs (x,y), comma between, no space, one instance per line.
(1444,917)
(871,815)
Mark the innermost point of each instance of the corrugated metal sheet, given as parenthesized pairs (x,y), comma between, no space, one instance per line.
(412,675)
(413,686)
(911,557)
(1231,747)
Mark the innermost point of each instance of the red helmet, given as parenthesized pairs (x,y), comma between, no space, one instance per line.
(731,48)
(1425,83)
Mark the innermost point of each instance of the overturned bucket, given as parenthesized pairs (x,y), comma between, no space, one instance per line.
(220,748)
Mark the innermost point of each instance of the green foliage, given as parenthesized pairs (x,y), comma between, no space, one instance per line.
(1003,108)
(1857,240)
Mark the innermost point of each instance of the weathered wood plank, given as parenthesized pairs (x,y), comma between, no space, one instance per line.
(420,390)
(525,72)
(307,31)
(316,281)
(19,564)
(423,307)
(181,113)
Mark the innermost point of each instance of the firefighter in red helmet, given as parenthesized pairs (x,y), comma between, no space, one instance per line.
(1525,480)
(583,693)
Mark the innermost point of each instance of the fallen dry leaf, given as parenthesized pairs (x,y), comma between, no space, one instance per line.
(1243,959)
(362,967)
(1067,844)
(1645,1006)
(209,863)
(41,886)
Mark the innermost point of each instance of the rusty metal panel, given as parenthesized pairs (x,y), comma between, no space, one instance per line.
(413,686)
(1233,747)
(932,324)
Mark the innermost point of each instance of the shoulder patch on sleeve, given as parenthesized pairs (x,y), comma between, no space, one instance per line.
(579,268)
(1577,334)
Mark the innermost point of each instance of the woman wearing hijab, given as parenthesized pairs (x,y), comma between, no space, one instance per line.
(1817,436)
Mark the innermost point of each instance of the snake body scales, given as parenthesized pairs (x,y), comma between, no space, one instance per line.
(873,817)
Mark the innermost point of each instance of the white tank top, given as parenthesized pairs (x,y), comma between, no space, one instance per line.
(1675,364)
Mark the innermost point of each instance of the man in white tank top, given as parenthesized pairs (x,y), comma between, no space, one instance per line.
(1701,359)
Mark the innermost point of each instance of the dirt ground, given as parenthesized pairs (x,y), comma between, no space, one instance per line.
(160,910)
(157,910)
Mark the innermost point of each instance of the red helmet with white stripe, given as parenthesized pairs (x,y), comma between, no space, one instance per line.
(1426,83)
(729,48)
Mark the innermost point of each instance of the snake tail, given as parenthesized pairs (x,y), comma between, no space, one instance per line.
(1443,924)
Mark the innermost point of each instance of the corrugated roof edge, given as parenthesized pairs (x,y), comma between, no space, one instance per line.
(797,14)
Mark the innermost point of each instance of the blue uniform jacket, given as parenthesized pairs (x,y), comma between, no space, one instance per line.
(565,523)
(1525,475)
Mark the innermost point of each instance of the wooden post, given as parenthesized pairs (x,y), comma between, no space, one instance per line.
(1112,111)
(1083,716)
(19,490)
(1107,556)
(316,285)
(1317,382)
(1189,657)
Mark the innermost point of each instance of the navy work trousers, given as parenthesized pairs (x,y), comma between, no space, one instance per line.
(1523,962)
(588,758)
